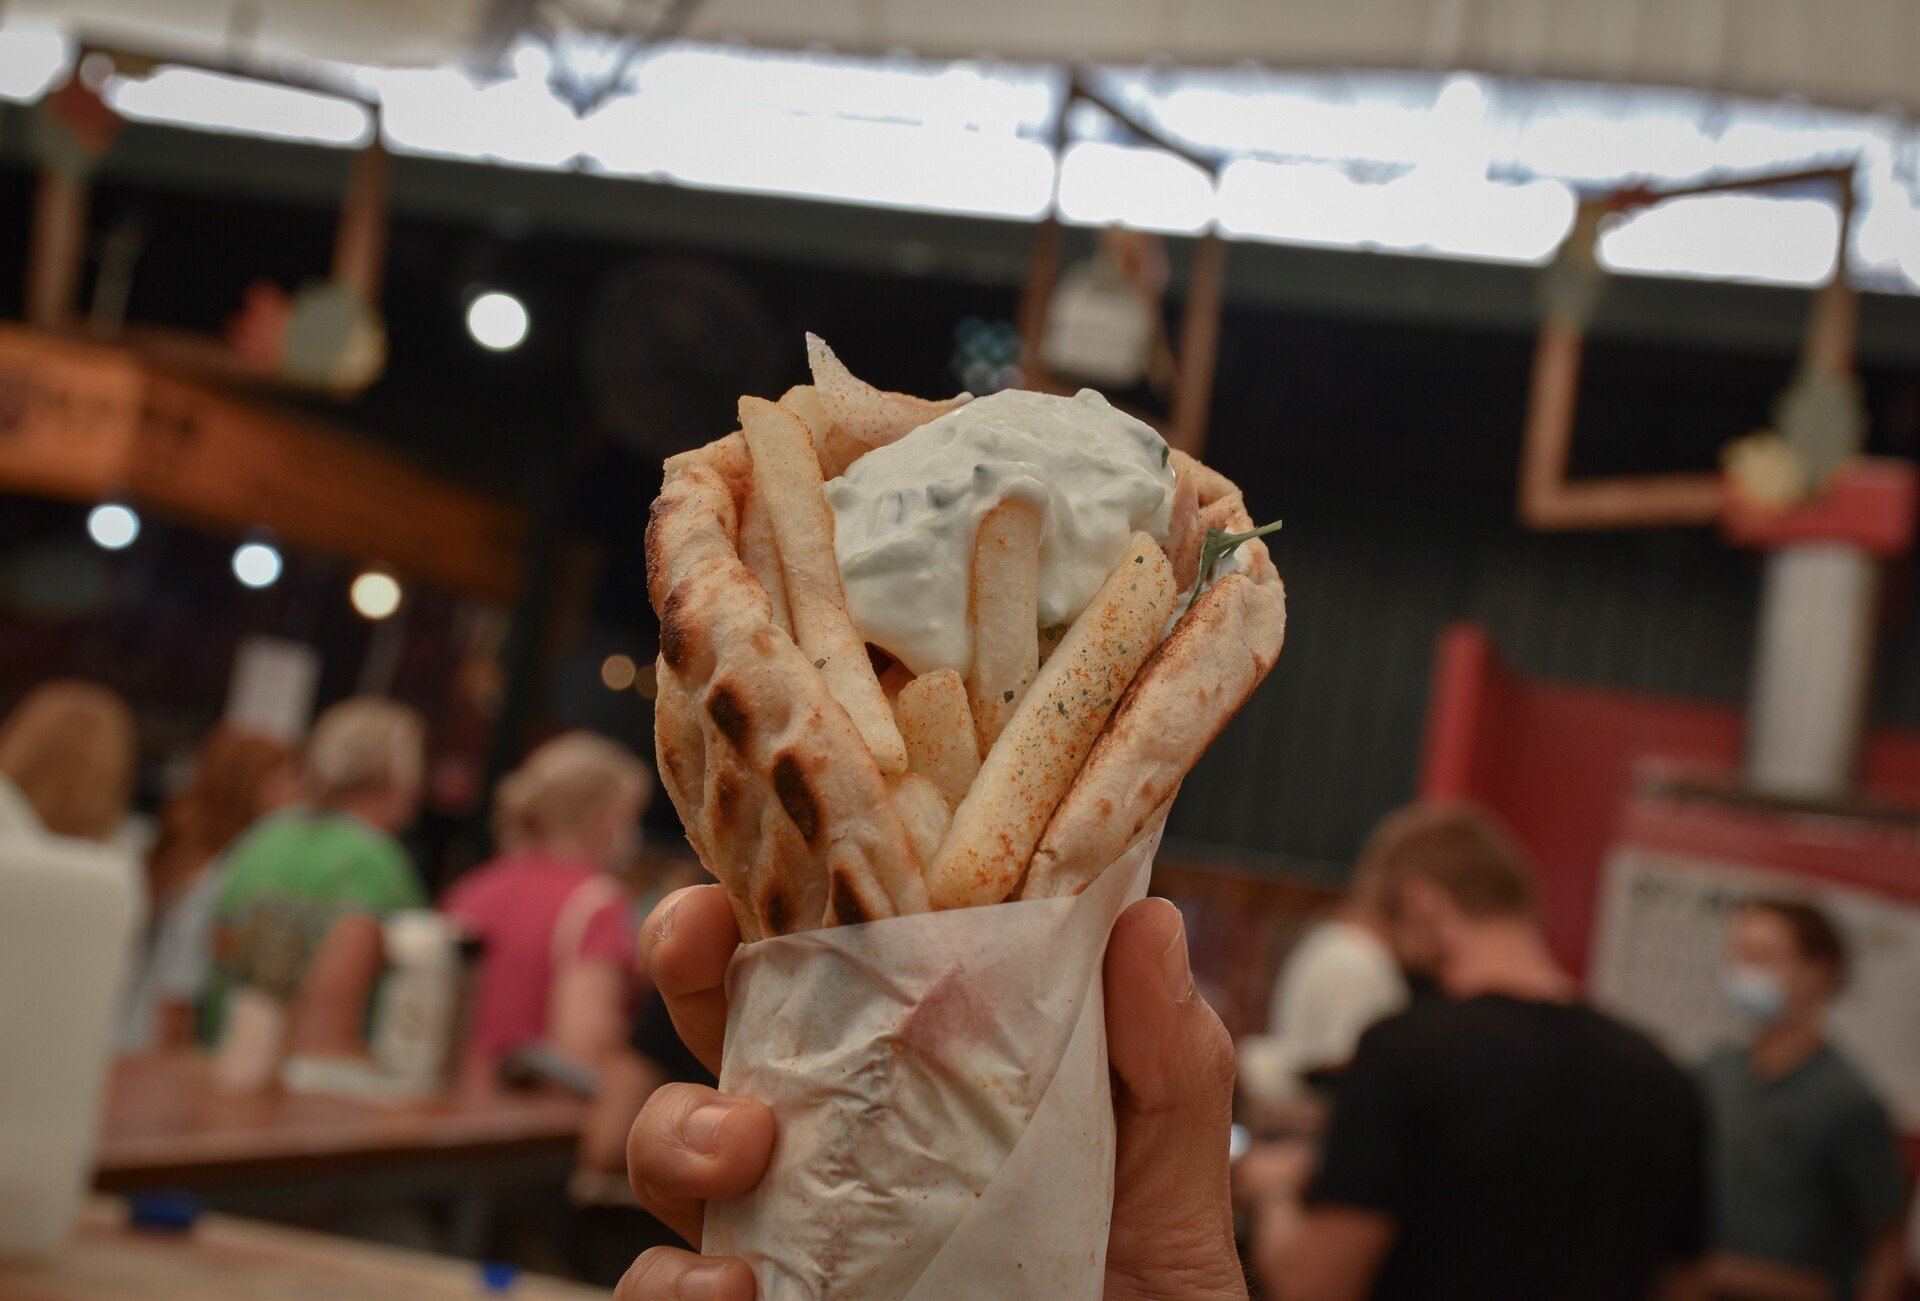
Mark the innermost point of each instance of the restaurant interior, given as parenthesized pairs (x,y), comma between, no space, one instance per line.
(341,347)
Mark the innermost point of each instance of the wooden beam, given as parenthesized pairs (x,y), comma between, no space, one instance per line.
(360,243)
(69,416)
(1199,347)
(1549,499)
(57,248)
(224,461)
(1036,293)
(84,420)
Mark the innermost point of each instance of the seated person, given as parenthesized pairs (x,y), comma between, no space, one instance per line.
(558,958)
(1806,1172)
(307,887)
(67,756)
(238,778)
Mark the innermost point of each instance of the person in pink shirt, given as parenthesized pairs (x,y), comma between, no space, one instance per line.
(558,962)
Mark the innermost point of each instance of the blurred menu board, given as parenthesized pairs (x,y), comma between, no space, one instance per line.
(1661,938)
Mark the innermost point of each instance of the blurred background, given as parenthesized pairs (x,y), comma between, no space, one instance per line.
(1577,344)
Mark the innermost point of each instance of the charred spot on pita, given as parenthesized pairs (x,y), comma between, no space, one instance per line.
(729,713)
(676,629)
(845,907)
(727,796)
(796,794)
(776,911)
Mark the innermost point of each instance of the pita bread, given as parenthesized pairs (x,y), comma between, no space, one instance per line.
(792,815)
(1194,682)
(782,798)
(1220,650)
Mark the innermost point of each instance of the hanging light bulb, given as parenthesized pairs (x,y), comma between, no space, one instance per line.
(257,564)
(375,595)
(497,320)
(113,526)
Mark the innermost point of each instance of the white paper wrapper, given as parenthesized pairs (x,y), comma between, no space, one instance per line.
(940,1085)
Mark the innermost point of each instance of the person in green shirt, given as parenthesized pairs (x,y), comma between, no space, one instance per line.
(1804,1165)
(301,894)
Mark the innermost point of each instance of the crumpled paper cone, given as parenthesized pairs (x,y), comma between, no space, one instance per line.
(945,1118)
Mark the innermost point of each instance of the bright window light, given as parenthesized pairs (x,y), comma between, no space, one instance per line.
(1909,249)
(113,526)
(1145,188)
(1582,147)
(1438,164)
(497,320)
(1728,236)
(190,97)
(375,595)
(1310,203)
(736,146)
(518,121)
(256,564)
(32,63)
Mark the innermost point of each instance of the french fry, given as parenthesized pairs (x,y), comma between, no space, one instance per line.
(1228,514)
(786,475)
(762,556)
(893,680)
(840,450)
(872,417)
(804,401)
(1185,533)
(836,447)
(1035,760)
(937,725)
(1208,483)
(1001,596)
(922,810)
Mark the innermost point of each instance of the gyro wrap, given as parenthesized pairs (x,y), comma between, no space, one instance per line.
(939,1085)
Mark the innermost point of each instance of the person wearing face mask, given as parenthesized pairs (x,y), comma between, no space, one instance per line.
(1501,1142)
(557,963)
(1805,1167)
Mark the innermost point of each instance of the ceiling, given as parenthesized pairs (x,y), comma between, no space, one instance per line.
(1850,53)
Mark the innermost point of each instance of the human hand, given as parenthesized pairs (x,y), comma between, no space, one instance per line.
(1173,1064)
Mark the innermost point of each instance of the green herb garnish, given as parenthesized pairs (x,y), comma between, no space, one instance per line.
(1218,547)
(1007,696)
(1165,452)
(820,664)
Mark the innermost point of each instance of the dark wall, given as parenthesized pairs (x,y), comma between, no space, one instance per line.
(1388,447)
(1390,452)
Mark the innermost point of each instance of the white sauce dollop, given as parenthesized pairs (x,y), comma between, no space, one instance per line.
(905,514)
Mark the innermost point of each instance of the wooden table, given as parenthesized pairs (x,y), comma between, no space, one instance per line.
(226,1259)
(168,1125)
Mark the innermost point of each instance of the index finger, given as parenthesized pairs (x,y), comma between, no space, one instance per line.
(687,942)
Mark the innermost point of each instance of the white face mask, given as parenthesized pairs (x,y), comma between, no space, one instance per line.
(1755,993)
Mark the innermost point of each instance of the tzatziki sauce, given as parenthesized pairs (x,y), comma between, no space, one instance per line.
(905,514)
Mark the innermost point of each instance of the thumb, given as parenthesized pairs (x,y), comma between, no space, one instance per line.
(1173,1070)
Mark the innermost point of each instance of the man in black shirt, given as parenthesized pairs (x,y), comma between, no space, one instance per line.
(1503,1143)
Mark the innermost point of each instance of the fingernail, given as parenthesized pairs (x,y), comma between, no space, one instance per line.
(1174,967)
(703,1282)
(702,1128)
(663,924)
